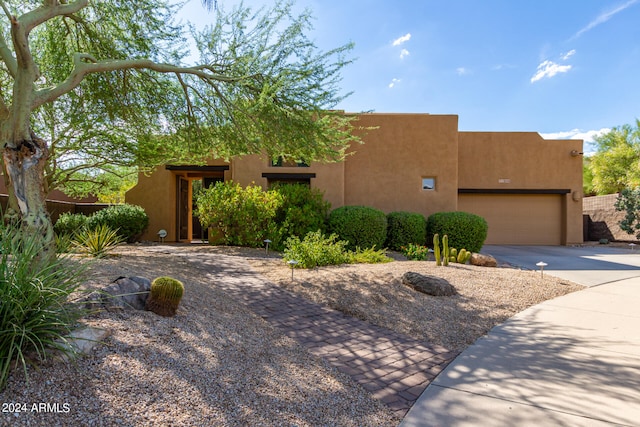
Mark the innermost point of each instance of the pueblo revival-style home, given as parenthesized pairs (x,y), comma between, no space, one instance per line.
(529,189)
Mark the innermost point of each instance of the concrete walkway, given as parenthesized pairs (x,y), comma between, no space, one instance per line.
(572,361)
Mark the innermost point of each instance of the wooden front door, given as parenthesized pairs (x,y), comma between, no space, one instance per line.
(183,213)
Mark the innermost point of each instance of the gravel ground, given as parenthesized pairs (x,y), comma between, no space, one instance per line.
(215,363)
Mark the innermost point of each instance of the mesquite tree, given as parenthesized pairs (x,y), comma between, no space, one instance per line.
(112,78)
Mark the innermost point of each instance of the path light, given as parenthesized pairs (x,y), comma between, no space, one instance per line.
(292,263)
(429,252)
(632,246)
(542,265)
(266,242)
(162,234)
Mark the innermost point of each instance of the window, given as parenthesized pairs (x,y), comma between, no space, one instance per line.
(429,183)
(281,163)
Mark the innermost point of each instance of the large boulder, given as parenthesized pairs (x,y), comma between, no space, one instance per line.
(483,260)
(123,293)
(430,285)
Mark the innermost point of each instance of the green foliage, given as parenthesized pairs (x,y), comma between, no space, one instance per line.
(96,242)
(35,312)
(436,249)
(64,243)
(404,228)
(129,221)
(165,296)
(360,226)
(368,256)
(243,216)
(616,164)
(68,224)
(316,250)
(303,210)
(415,252)
(464,230)
(629,202)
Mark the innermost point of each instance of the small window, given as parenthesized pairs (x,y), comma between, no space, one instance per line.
(281,163)
(429,184)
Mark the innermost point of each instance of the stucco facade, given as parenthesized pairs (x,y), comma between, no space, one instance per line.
(528,188)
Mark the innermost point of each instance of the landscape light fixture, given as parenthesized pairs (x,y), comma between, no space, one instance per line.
(266,242)
(292,263)
(542,265)
(162,234)
(632,246)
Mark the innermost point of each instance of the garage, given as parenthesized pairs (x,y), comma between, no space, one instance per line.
(517,218)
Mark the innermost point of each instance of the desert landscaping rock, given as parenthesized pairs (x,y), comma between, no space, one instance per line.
(430,285)
(483,260)
(123,293)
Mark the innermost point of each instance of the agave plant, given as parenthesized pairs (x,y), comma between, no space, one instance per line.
(96,242)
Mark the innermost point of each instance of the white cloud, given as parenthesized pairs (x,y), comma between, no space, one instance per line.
(604,17)
(548,69)
(394,82)
(568,54)
(404,53)
(401,40)
(461,71)
(587,136)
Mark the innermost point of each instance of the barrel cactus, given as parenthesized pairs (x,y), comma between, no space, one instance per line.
(165,296)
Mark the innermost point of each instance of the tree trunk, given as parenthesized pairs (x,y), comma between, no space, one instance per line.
(24,161)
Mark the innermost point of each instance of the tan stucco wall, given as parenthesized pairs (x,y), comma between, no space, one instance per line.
(156,193)
(329,176)
(524,160)
(386,171)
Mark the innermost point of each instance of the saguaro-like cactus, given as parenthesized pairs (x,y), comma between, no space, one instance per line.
(445,250)
(165,296)
(436,249)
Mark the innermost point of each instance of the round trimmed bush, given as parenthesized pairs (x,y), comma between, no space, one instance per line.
(465,230)
(128,220)
(69,223)
(404,228)
(360,226)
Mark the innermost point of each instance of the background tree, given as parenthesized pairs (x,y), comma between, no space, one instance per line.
(108,82)
(616,164)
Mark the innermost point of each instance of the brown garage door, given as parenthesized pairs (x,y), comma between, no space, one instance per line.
(518,219)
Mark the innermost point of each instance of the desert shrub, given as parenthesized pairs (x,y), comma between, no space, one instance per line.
(404,228)
(368,256)
(415,252)
(243,216)
(68,223)
(35,312)
(315,250)
(129,221)
(96,242)
(360,226)
(465,230)
(303,210)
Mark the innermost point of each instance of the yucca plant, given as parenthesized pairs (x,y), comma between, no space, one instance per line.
(96,242)
(35,312)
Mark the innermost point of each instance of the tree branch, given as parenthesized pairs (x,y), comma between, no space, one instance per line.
(7,56)
(85,64)
(50,10)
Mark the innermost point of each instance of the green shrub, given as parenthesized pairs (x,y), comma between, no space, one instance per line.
(465,230)
(315,250)
(243,216)
(368,256)
(404,228)
(360,226)
(415,252)
(68,223)
(303,210)
(96,242)
(130,221)
(35,314)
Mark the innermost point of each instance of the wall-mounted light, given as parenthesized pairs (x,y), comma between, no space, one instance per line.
(576,153)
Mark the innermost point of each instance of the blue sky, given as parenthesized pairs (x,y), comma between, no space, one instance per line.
(564,68)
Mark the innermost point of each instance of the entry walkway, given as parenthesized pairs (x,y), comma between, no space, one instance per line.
(571,361)
(395,368)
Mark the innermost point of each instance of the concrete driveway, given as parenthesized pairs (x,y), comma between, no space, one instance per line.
(570,361)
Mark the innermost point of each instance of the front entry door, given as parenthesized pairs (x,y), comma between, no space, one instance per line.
(183,209)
